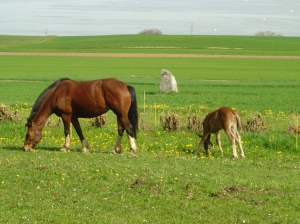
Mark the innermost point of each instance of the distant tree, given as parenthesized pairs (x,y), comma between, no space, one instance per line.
(267,33)
(151,32)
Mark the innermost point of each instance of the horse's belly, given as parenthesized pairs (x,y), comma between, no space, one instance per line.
(90,112)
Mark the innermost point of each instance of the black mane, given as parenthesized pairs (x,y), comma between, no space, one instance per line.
(41,98)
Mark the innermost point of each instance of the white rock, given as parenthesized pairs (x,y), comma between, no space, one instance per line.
(167,82)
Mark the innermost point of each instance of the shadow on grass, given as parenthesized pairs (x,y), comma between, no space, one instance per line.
(57,149)
(20,148)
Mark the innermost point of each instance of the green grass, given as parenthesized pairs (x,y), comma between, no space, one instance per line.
(164,182)
(237,45)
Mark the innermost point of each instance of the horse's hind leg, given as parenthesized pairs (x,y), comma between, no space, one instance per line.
(77,127)
(239,141)
(117,148)
(124,124)
(133,148)
(231,137)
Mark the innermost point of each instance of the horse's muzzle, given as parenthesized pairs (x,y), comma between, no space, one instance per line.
(28,147)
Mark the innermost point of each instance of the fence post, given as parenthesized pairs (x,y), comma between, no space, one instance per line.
(144,101)
(155,114)
(296,132)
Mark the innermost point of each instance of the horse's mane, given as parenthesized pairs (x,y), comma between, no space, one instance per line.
(41,98)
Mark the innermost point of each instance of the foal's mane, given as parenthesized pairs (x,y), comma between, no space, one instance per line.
(41,98)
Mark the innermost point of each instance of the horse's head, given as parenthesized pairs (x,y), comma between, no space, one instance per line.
(33,136)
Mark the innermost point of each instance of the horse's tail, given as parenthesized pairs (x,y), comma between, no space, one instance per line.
(238,119)
(133,113)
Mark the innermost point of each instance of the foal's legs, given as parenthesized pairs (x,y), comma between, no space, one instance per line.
(204,137)
(231,137)
(218,140)
(239,141)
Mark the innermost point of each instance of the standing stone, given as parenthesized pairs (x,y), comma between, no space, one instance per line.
(167,82)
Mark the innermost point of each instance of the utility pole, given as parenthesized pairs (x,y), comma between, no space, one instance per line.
(192,28)
(46,32)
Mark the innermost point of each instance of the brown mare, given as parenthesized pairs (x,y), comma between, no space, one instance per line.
(71,100)
(223,118)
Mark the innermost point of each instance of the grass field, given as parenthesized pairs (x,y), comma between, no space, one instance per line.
(164,182)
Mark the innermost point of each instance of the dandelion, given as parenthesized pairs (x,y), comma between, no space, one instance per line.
(2,182)
(175,178)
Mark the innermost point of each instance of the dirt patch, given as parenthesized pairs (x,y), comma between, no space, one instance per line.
(129,55)
(6,114)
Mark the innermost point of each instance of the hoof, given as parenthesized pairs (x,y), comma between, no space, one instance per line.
(132,153)
(63,150)
(85,150)
(116,152)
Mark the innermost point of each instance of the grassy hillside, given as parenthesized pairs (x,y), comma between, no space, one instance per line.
(239,45)
(164,182)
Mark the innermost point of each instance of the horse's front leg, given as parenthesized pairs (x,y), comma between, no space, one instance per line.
(66,122)
(78,130)
(202,140)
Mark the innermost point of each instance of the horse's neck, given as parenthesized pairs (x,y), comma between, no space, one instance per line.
(41,118)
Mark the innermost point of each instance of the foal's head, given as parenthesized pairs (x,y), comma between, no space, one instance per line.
(207,143)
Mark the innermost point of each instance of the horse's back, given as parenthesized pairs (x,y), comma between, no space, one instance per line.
(220,119)
(230,116)
(90,98)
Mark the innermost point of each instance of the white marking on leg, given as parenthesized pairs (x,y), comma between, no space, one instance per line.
(67,144)
(133,147)
(218,137)
(234,150)
(117,148)
(239,140)
(84,146)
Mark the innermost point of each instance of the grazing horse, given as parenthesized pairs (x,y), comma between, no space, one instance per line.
(223,118)
(71,100)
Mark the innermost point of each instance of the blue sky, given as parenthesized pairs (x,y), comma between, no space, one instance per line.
(106,17)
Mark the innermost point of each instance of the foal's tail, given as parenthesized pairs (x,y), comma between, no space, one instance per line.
(238,119)
(133,113)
